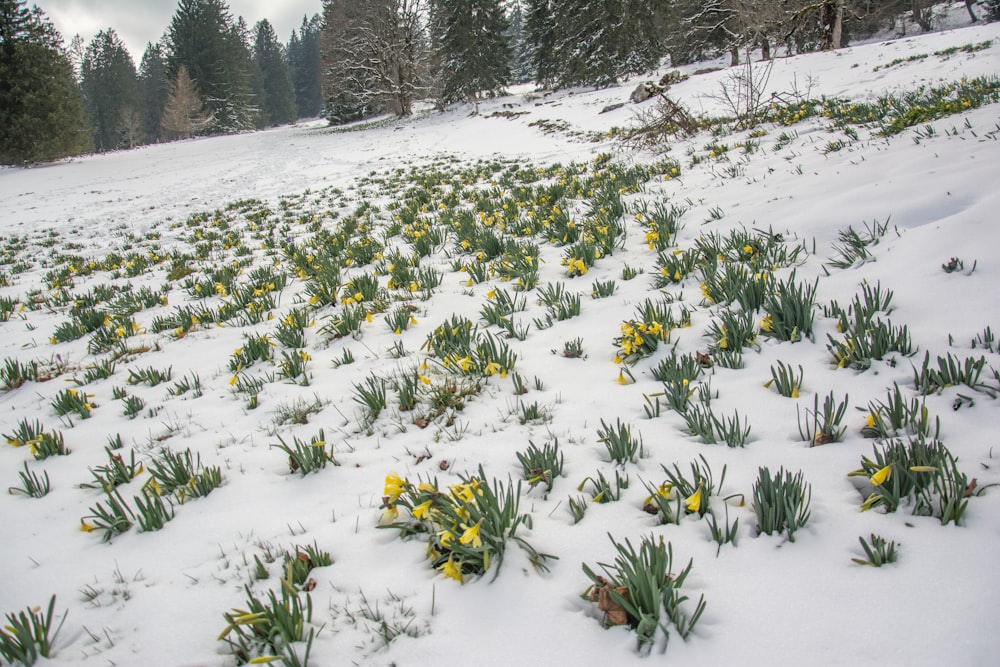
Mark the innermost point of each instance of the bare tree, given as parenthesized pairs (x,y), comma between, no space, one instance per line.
(185,114)
(373,52)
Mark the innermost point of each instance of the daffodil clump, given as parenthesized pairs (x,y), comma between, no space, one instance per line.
(460,347)
(467,524)
(919,472)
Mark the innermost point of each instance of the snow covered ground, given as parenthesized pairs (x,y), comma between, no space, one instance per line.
(158,598)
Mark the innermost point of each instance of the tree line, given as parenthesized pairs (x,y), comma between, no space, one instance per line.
(211,73)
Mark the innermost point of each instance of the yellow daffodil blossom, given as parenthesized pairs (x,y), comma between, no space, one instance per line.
(451,570)
(471,535)
(86,527)
(445,536)
(389,515)
(663,491)
(693,502)
(795,392)
(881,476)
(923,469)
(420,511)
(463,492)
(426,487)
(394,487)
(621,377)
(492,368)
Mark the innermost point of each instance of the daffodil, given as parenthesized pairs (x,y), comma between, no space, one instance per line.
(471,535)
(394,487)
(420,511)
(881,476)
(463,492)
(451,570)
(693,502)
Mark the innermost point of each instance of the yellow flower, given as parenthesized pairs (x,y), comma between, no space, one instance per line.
(86,527)
(693,502)
(446,536)
(389,515)
(463,492)
(766,323)
(881,476)
(394,487)
(795,391)
(471,535)
(492,368)
(451,570)
(421,510)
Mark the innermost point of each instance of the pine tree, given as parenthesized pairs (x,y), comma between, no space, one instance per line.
(993,10)
(471,48)
(111,91)
(154,86)
(204,38)
(520,62)
(41,108)
(542,34)
(185,115)
(276,97)
(598,42)
(304,67)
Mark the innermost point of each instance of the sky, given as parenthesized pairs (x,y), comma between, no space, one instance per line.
(139,22)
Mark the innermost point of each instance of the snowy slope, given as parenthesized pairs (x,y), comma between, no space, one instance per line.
(157,598)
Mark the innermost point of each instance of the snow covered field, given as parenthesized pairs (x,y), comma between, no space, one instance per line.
(158,597)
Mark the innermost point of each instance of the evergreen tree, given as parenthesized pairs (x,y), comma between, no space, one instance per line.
(154,86)
(541,30)
(276,97)
(601,41)
(993,10)
(204,38)
(471,48)
(41,108)
(520,62)
(111,91)
(185,115)
(304,67)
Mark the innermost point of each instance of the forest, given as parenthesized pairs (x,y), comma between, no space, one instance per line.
(211,73)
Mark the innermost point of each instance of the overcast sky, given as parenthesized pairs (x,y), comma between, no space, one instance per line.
(139,22)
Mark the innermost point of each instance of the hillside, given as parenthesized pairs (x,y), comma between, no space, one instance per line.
(432,297)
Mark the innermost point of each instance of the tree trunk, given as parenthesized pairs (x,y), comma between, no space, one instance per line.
(832,23)
(765,48)
(972,14)
(734,55)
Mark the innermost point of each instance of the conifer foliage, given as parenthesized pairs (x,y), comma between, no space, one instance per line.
(41,109)
(154,87)
(204,38)
(111,93)
(275,95)
(471,48)
(304,66)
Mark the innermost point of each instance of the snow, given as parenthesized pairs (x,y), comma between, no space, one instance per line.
(160,595)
